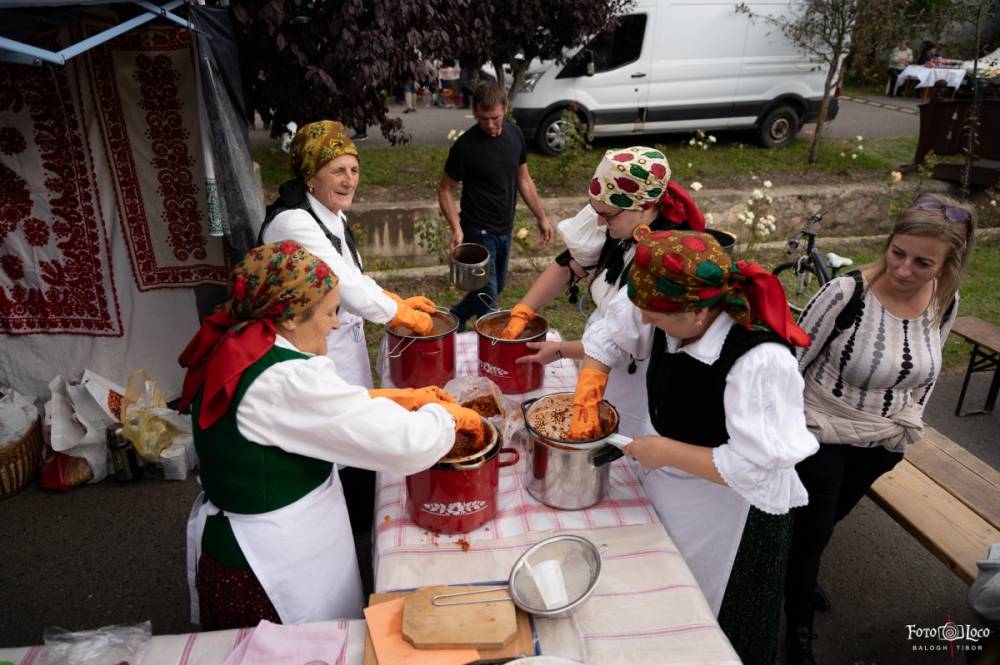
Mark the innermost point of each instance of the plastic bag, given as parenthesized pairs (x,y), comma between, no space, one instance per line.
(144,424)
(17,415)
(65,430)
(468,389)
(108,645)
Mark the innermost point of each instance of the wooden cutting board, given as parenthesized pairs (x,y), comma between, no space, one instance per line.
(522,645)
(479,626)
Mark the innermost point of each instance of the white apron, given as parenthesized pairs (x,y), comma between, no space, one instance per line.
(303,554)
(627,392)
(347,348)
(704,519)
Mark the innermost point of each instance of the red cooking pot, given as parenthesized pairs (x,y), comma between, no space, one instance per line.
(415,362)
(457,497)
(498,357)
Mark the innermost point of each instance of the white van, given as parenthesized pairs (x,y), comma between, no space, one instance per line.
(678,65)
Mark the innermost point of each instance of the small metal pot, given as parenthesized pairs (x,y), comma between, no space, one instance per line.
(470,266)
(569,475)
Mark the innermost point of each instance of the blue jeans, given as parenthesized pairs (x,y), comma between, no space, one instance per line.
(499,246)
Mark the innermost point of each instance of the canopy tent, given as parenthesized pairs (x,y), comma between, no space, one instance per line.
(12,50)
(126,186)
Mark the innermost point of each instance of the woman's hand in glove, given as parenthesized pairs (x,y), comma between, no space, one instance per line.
(414,398)
(520,317)
(467,421)
(419,322)
(586,423)
(419,303)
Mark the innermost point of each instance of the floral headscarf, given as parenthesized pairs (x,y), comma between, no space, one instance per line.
(684,271)
(316,144)
(273,283)
(631,179)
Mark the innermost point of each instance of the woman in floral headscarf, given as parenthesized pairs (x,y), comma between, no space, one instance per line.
(629,188)
(725,398)
(269,536)
(310,210)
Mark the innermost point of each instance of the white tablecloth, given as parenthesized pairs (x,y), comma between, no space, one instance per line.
(211,648)
(928,76)
(647,607)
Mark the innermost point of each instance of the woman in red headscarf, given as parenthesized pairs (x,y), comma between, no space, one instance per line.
(725,399)
(630,188)
(269,537)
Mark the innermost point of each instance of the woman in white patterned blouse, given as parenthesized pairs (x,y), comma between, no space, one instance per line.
(866,385)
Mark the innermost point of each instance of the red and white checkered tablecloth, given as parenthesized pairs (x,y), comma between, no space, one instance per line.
(517,511)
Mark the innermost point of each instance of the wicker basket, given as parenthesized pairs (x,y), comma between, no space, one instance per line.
(20,461)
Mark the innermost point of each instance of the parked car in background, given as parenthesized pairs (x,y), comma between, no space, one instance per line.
(678,65)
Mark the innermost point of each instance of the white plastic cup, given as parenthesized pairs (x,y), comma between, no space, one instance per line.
(551,586)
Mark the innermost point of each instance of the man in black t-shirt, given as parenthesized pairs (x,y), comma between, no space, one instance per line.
(490,160)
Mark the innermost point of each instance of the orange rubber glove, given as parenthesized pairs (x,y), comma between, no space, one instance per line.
(467,420)
(414,398)
(419,322)
(419,303)
(520,317)
(586,423)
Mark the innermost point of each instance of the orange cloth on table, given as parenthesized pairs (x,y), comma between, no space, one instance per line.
(414,398)
(420,303)
(385,625)
(586,423)
(468,421)
(419,322)
(520,317)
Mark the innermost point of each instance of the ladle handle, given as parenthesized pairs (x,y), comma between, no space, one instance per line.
(435,603)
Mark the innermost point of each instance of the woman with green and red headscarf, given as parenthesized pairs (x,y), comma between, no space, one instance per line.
(725,399)
(630,188)
(269,537)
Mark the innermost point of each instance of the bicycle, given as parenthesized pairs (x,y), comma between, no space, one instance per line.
(803,277)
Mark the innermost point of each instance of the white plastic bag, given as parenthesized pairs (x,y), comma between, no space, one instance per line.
(64,428)
(468,388)
(17,415)
(108,645)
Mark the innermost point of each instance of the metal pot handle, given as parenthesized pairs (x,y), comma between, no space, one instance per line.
(605,455)
(488,300)
(396,351)
(479,272)
(513,451)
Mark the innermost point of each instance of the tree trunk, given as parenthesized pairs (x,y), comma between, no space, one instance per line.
(498,68)
(519,69)
(824,106)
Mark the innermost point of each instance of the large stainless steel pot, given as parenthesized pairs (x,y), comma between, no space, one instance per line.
(566,474)
(470,266)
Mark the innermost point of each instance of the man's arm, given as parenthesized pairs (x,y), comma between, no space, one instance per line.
(446,201)
(526,186)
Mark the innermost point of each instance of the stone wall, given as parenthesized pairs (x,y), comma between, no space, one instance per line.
(388,235)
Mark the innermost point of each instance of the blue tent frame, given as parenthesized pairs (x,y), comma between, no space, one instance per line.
(15,51)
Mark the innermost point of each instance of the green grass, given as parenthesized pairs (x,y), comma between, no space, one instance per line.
(413,171)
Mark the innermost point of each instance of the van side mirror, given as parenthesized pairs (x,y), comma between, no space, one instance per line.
(588,56)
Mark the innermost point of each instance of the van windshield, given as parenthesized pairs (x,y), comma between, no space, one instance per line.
(611,49)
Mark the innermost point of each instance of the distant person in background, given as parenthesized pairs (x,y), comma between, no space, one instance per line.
(899,58)
(928,52)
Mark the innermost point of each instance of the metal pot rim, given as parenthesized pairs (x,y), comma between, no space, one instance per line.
(580,446)
(473,462)
(429,338)
(519,340)
(466,263)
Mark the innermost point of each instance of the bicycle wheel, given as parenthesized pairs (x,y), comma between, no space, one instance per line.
(800,281)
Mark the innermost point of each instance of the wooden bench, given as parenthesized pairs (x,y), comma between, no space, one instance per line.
(947,498)
(985,356)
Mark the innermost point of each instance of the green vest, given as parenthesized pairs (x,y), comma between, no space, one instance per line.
(241,476)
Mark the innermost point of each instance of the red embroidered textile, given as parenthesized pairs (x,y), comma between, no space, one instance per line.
(56,275)
(145,84)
